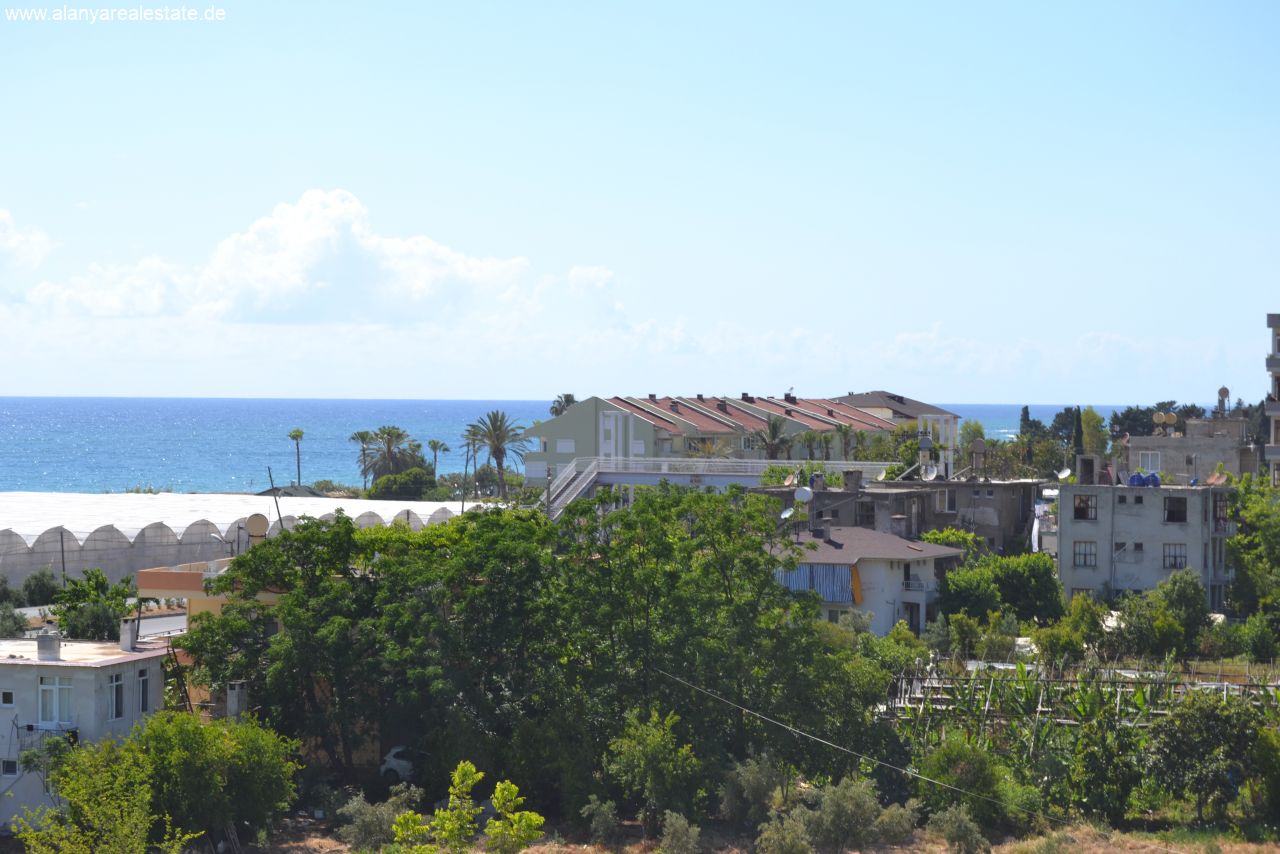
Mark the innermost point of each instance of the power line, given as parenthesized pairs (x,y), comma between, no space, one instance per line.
(907,771)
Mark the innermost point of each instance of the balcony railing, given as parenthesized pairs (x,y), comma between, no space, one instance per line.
(913,584)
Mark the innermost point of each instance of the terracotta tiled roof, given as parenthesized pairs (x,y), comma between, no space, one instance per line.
(845,413)
(645,415)
(703,422)
(796,413)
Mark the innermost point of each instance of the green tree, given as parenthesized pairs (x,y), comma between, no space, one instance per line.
(773,438)
(652,767)
(1254,550)
(366,440)
(1093,432)
(91,607)
(1104,766)
(561,404)
(393,451)
(437,448)
(955,538)
(12,623)
(1203,749)
(1184,598)
(512,830)
(295,436)
(410,485)
(39,588)
(970,590)
(108,807)
(502,438)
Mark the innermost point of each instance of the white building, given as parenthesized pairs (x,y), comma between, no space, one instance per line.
(1117,538)
(81,690)
(889,577)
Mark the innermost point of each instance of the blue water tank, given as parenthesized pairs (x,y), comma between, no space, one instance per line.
(1135,479)
(1152,479)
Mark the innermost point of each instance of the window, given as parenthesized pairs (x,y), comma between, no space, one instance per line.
(834,615)
(951,501)
(1137,547)
(1175,555)
(1149,461)
(9,767)
(1084,554)
(1123,499)
(866,511)
(637,447)
(1137,499)
(565,446)
(55,700)
(1086,507)
(1118,547)
(6,698)
(1175,509)
(115,689)
(144,691)
(991,493)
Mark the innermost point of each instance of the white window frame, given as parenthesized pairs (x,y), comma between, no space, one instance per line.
(55,698)
(115,696)
(9,701)
(566,446)
(144,690)
(1149,461)
(1175,556)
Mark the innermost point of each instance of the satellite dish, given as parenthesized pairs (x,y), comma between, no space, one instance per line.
(1157,417)
(256,525)
(803,494)
(787,514)
(926,442)
(791,480)
(1065,473)
(1224,392)
(930,473)
(882,473)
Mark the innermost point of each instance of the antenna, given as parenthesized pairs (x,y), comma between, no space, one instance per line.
(1065,473)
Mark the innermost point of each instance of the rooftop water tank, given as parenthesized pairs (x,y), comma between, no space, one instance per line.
(1135,479)
(1152,480)
(48,645)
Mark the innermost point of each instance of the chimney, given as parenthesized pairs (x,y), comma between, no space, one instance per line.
(747,398)
(128,634)
(653,397)
(787,412)
(722,406)
(675,407)
(699,398)
(789,397)
(49,645)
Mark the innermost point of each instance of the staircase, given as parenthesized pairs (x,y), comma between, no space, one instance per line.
(570,484)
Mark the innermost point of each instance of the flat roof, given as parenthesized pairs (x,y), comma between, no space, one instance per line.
(30,514)
(73,653)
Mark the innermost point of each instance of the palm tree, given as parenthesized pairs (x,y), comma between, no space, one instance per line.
(471,441)
(561,403)
(394,451)
(296,435)
(809,439)
(773,438)
(826,438)
(845,432)
(437,448)
(366,439)
(500,437)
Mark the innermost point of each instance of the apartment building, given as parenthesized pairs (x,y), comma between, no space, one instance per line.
(1115,538)
(79,690)
(654,426)
(944,426)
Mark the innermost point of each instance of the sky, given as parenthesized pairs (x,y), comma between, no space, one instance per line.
(983,202)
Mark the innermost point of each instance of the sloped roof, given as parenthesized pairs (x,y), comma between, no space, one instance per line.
(849,544)
(904,406)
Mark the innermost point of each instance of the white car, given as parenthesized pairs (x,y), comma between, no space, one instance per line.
(397,765)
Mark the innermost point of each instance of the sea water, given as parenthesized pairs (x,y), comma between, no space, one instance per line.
(110,444)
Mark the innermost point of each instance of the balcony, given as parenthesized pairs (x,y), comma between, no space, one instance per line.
(913,583)
(1273,364)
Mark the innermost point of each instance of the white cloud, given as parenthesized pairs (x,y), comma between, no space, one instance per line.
(26,247)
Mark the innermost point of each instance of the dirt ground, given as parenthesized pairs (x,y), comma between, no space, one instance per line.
(301,836)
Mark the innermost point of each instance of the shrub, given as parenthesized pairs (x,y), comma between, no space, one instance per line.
(602,820)
(960,832)
(1104,768)
(408,485)
(785,834)
(1258,638)
(649,764)
(844,815)
(513,829)
(748,791)
(678,835)
(39,588)
(367,826)
(897,823)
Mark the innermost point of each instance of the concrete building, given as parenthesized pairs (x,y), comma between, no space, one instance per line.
(944,426)
(1118,538)
(1271,408)
(699,426)
(1197,452)
(858,569)
(80,690)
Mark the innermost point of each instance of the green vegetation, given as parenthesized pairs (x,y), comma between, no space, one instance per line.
(553,653)
(169,782)
(295,436)
(91,607)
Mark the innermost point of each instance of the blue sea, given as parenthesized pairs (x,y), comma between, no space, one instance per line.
(110,444)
